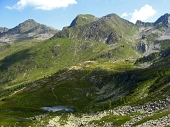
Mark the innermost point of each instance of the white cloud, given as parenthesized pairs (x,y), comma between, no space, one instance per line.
(42,4)
(143,14)
(124,15)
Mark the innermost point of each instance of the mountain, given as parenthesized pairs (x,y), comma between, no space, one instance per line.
(26,31)
(99,71)
(163,21)
(105,29)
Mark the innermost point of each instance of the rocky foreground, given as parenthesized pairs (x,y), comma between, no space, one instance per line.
(153,114)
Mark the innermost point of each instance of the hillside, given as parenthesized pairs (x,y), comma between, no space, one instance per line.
(104,71)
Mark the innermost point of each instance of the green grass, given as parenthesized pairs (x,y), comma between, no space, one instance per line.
(7,121)
(72,90)
(72,86)
(63,120)
(45,58)
(12,48)
(164,43)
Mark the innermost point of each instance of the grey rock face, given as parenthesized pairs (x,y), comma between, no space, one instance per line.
(146,24)
(142,47)
(163,21)
(3,29)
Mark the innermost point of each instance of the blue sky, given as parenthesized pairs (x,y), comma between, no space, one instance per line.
(60,13)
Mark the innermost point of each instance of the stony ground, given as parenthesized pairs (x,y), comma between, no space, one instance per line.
(141,112)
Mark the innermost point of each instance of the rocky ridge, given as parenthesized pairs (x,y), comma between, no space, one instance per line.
(146,24)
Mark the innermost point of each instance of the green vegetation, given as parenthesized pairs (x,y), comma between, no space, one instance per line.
(164,43)
(91,66)
(75,88)
(63,119)
(8,49)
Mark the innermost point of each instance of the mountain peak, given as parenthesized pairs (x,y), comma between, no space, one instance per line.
(30,20)
(28,23)
(163,21)
(111,15)
(82,19)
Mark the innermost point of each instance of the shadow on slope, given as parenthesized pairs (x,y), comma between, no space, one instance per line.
(14,58)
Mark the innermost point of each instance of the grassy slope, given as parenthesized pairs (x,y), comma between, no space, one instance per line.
(36,61)
(37,54)
(72,86)
(7,49)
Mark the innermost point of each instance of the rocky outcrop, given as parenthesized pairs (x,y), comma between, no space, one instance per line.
(145,24)
(142,47)
(3,29)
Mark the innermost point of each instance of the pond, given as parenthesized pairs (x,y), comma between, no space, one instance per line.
(58,108)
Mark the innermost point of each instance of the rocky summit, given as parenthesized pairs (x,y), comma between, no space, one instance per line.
(97,72)
(163,21)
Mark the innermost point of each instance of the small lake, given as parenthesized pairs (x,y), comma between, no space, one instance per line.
(58,108)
